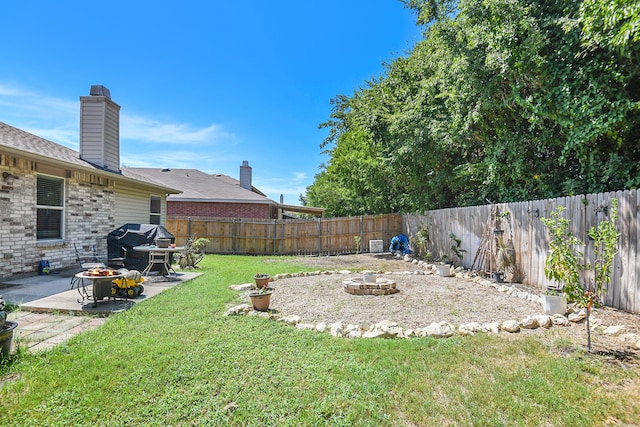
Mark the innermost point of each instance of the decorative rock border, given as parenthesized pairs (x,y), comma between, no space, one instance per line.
(390,329)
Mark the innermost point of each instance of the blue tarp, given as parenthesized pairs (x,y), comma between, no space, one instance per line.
(400,243)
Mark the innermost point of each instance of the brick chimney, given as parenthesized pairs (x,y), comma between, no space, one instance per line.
(100,129)
(245,175)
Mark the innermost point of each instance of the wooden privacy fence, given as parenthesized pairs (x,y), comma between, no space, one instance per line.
(521,224)
(322,236)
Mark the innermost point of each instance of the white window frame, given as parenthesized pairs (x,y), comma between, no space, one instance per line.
(62,208)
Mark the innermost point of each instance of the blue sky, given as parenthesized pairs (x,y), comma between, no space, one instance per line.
(202,84)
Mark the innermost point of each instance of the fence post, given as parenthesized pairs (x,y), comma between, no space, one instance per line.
(275,236)
(361,231)
(319,236)
(233,235)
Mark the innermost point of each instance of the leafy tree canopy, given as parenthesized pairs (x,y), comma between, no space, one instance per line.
(502,100)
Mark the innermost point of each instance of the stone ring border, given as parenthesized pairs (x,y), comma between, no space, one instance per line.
(390,329)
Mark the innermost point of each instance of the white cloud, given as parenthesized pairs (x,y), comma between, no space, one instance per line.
(290,187)
(208,162)
(58,120)
(150,130)
(49,117)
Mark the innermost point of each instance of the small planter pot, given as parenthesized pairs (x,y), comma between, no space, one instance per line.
(261,300)
(162,242)
(262,280)
(554,304)
(6,337)
(444,270)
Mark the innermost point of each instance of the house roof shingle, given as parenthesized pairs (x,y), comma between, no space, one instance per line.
(198,186)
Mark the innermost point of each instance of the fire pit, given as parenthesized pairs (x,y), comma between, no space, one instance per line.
(102,281)
(369,285)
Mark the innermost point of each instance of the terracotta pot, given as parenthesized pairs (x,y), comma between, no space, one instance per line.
(262,280)
(261,300)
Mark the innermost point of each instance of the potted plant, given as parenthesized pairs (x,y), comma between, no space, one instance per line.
(261,298)
(193,253)
(456,249)
(6,331)
(421,242)
(554,301)
(262,280)
(505,258)
(562,262)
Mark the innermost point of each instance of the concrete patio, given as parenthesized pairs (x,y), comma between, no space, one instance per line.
(51,312)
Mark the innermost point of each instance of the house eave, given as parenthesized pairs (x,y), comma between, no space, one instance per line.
(88,169)
(200,200)
(303,209)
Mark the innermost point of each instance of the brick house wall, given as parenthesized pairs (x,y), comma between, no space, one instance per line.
(88,218)
(221,210)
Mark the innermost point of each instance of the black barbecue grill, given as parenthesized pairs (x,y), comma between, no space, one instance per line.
(120,243)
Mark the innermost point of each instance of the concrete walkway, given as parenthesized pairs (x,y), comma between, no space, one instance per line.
(51,312)
(41,331)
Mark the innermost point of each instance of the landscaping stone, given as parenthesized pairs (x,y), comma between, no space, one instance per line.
(335,329)
(291,319)
(544,320)
(470,328)
(596,324)
(321,327)
(238,309)
(614,330)
(438,330)
(352,331)
(578,316)
(559,320)
(629,338)
(529,323)
(384,329)
(305,326)
(493,327)
(242,287)
(510,326)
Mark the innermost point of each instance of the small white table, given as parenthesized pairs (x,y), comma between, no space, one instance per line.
(159,256)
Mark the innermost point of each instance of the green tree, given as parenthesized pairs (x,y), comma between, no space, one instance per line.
(503,100)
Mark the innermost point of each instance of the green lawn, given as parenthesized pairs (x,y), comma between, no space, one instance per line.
(175,360)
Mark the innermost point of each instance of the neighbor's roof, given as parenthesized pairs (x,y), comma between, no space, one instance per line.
(21,143)
(234,181)
(198,186)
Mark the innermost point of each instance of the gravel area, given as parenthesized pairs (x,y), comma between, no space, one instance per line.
(421,300)
(424,299)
